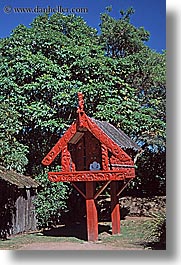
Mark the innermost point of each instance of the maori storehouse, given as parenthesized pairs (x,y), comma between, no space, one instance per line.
(95,154)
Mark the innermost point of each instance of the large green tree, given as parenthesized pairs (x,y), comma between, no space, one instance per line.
(13,154)
(44,66)
(143,69)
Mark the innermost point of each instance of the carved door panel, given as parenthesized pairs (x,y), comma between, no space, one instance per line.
(79,155)
(92,150)
(85,151)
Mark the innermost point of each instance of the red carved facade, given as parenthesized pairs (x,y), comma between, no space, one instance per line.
(90,129)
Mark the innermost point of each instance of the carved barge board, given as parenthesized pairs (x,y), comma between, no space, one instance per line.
(59,145)
(121,174)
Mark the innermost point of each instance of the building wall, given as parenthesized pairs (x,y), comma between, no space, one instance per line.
(24,219)
(17,212)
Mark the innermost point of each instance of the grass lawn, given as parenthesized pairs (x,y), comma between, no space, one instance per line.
(132,236)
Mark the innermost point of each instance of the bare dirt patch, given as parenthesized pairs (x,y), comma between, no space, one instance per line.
(72,246)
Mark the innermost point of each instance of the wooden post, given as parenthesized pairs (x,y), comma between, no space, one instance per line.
(115,209)
(92,220)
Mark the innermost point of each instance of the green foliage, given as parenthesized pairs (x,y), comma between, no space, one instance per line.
(51,201)
(13,154)
(45,65)
(156,230)
(119,37)
(151,175)
(143,78)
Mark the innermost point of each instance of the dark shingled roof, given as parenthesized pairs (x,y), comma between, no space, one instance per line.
(19,180)
(117,135)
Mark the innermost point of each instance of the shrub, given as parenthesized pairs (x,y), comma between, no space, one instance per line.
(156,230)
(50,202)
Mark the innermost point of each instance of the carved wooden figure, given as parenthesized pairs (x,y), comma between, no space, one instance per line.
(94,151)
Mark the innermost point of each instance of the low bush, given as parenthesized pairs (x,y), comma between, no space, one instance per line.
(156,231)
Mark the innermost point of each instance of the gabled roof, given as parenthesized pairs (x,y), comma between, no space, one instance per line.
(117,135)
(17,179)
(106,133)
(115,139)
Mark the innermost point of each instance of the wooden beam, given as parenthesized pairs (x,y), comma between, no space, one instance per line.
(48,159)
(101,189)
(65,159)
(99,175)
(105,159)
(120,165)
(123,187)
(76,137)
(75,186)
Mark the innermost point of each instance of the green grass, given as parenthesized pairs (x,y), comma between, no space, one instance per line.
(132,236)
(15,242)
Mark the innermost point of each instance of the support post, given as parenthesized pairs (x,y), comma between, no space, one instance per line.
(92,219)
(115,209)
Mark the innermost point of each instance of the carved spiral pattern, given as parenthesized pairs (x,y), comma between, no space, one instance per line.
(91,176)
(104,157)
(65,161)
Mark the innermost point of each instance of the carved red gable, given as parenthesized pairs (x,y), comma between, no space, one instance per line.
(84,122)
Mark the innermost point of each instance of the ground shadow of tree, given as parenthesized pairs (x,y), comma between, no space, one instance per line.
(77,230)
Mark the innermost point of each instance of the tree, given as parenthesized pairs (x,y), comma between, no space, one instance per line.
(145,71)
(13,154)
(120,37)
(141,69)
(45,65)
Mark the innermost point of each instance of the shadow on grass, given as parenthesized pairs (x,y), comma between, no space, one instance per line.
(155,245)
(77,230)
